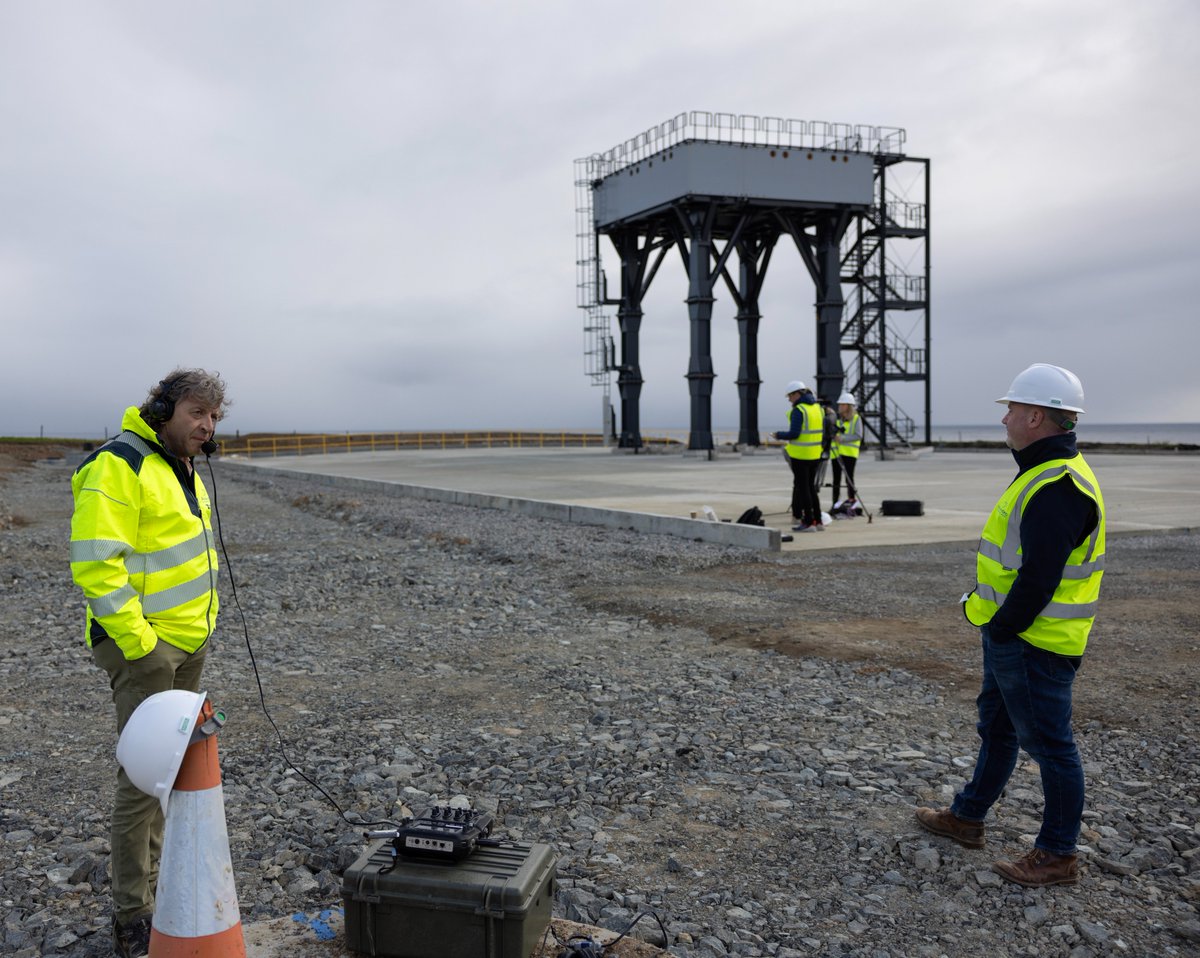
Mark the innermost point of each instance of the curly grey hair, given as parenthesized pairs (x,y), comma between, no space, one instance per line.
(180,384)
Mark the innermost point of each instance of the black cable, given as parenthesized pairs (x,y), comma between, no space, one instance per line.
(666,938)
(588,946)
(638,917)
(254,665)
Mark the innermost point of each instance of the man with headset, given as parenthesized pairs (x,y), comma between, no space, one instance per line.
(142,551)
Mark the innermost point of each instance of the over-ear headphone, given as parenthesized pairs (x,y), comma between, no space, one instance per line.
(162,407)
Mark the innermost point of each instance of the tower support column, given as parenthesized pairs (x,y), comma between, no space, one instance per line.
(753,257)
(629,375)
(629,320)
(748,381)
(698,222)
(830,305)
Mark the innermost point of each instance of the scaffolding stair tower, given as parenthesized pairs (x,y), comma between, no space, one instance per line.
(885,264)
(599,350)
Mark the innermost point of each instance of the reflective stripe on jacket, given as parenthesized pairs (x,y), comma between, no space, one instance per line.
(807,445)
(142,546)
(1063,625)
(848,440)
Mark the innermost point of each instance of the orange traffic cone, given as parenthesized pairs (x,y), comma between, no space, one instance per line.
(196,909)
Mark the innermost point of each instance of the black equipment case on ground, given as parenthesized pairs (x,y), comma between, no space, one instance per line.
(494,903)
(902,507)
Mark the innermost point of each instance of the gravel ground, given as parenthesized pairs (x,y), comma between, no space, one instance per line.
(736,741)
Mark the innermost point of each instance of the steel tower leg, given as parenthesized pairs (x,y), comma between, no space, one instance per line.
(629,319)
(881,314)
(698,222)
(830,306)
(629,377)
(748,381)
(822,255)
(753,257)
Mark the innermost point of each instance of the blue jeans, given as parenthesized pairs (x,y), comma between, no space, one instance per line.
(1025,702)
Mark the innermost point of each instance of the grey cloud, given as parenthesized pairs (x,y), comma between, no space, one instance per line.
(371,206)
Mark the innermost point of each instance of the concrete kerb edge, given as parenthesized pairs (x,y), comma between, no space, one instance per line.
(704,530)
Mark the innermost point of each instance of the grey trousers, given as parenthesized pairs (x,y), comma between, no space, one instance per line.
(137,819)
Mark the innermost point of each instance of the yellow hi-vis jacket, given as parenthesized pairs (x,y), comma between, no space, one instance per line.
(1064,624)
(848,440)
(142,546)
(807,445)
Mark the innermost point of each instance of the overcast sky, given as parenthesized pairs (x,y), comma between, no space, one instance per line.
(362,214)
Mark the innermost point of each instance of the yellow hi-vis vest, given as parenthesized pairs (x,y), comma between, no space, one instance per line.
(142,547)
(849,442)
(1063,625)
(807,445)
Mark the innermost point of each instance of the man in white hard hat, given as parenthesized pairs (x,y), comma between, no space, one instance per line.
(1038,572)
(804,439)
(144,554)
(847,443)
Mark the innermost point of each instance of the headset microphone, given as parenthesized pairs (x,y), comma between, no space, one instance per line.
(208,448)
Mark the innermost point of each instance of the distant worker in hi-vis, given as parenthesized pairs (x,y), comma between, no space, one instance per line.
(1038,571)
(143,552)
(847,443)
(804,439)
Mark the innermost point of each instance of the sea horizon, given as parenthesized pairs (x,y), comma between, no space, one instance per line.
(1149,433)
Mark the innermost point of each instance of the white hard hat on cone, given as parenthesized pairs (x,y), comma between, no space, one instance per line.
(795,386)
(848,399)
(153,742)
(1045,385)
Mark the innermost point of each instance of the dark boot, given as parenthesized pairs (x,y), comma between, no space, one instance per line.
(132,940)
(942,821)
(1040,868)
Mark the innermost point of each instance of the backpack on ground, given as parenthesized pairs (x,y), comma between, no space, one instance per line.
(751,517)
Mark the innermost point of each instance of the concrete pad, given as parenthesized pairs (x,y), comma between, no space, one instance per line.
(659,492)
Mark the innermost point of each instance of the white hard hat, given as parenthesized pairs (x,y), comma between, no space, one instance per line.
(848,399)
(154,739)
(1045,385)
(795,386)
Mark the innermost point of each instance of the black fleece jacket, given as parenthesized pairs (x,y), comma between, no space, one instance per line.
(1055,521)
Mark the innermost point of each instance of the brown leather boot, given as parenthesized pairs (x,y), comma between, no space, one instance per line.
(942,821)
(1040,868)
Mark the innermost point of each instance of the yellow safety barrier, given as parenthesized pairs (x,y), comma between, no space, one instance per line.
(300,444)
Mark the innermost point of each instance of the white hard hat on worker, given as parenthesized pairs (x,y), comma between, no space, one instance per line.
(795,386)
(1042,401)
(1045,385)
